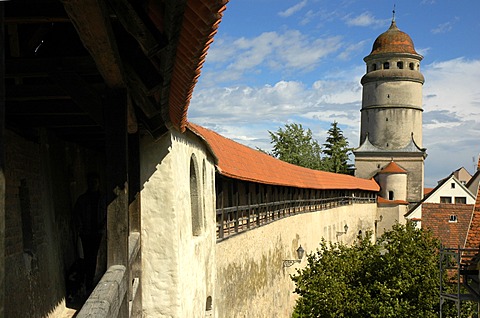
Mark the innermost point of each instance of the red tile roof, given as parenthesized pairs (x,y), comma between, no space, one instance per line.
(473,237)
(436,217)
(426,191)
(392,167)
(200,23)
(241,162)
(381,200)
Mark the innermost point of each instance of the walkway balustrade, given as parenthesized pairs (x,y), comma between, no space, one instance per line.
(236,219)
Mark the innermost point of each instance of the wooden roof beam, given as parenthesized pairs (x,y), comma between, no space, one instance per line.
(92,22)
(134,25)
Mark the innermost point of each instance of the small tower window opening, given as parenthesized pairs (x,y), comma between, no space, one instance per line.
(374,67)
(390,195)
(418,67)
(386,65)
(400,65)
(411,66)
(453,219)
(208,305)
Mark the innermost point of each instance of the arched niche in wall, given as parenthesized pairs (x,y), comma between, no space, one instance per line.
(195,198)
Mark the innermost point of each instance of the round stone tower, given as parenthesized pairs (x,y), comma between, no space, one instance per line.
(391,114)
(392,92)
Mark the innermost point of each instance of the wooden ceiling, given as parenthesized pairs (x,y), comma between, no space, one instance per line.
(62,56)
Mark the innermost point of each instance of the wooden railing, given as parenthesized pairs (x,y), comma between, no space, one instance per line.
(108,297)
(236,219)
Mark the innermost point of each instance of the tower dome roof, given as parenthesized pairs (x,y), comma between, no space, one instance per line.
(393,41)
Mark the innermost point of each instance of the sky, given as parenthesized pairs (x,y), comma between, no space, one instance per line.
(275,62)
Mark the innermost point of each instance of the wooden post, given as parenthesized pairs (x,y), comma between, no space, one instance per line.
(116,146)
(135,222)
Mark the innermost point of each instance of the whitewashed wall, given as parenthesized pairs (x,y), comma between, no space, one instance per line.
(178,267)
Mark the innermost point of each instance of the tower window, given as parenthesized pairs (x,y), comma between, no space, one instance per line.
(386,119)
(390,195)
(400,65)
(386,65)
(374,67)
(411,66)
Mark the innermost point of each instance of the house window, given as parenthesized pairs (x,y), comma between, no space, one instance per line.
(453,219)
(452,185)
(195,197)
(390,195)
(445,199)
(460,200)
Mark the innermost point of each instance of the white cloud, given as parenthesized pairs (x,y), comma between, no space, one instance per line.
(293,9)
(352,49)
(445,27)
(288,51)
(453,86)
(451,127)
(365,19)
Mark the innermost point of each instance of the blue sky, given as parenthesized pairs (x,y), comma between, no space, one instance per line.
(281,61)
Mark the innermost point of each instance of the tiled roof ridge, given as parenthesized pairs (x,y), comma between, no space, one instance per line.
(238,161)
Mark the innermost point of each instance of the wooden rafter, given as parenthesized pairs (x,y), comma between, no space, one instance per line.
(92,22)
(130,20)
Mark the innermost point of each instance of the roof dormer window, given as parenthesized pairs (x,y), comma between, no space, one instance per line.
(453,219)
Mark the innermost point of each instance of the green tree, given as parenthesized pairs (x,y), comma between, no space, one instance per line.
(336,151)
(296,145)
(398,276)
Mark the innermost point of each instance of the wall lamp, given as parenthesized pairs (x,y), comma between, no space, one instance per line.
(345,228)
(290,262)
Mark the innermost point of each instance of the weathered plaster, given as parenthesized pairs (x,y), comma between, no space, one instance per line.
(251,280)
